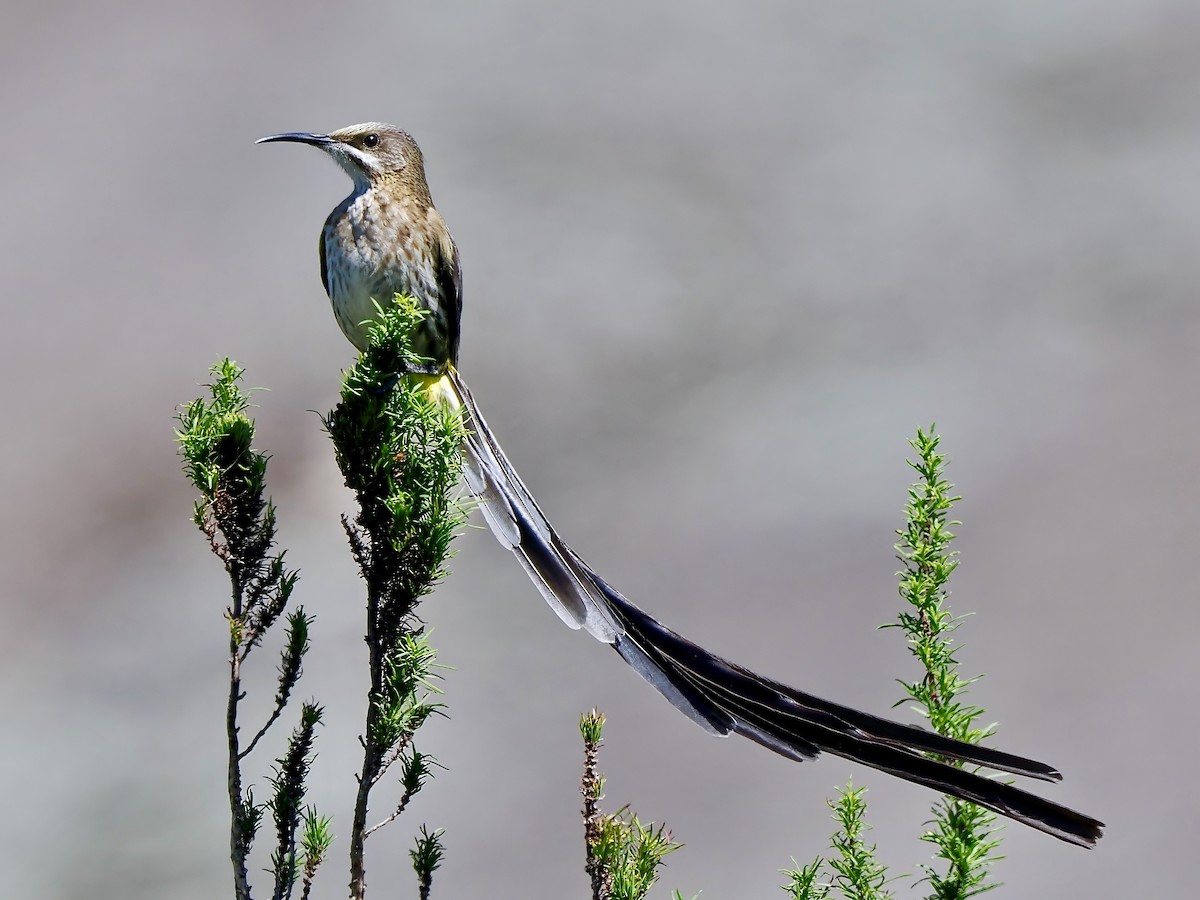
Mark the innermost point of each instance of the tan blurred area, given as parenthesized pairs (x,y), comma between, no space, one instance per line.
(720,260)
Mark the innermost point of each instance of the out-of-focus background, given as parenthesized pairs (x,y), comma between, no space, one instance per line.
(720,261)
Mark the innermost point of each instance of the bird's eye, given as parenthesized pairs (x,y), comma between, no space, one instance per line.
(371,141)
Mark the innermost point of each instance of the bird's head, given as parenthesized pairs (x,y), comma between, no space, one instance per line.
(368,153)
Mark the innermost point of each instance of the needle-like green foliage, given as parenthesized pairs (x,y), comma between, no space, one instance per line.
(963,833)
(315,840)
(216,441)
(287,802)
(398,447)
(426,857)
(623,854)
(852,870)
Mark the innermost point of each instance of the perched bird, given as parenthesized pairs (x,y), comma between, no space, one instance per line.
(386,238)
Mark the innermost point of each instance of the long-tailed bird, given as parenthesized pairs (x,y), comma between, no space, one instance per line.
(387,238)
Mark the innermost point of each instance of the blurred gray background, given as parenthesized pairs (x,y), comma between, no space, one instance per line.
(720,261)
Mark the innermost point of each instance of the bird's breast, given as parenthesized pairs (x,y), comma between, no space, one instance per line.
(373,251)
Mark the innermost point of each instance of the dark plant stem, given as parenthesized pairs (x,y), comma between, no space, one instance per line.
(590,788)
(372,754)
(237,843)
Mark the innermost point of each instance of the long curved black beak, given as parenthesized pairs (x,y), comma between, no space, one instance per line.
(299,137)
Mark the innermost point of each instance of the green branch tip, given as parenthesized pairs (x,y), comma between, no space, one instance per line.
(591,727)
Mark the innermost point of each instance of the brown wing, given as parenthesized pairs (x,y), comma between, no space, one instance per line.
(324,265)
(324,261)
(449,281)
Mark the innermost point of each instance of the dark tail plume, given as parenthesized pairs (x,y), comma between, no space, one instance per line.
(723,697)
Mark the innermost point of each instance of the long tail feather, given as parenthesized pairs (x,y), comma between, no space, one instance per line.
(511,512)
(722,697)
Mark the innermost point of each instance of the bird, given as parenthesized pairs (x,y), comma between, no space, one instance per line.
(387,238)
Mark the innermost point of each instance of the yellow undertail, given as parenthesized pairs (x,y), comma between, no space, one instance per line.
(438,388)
